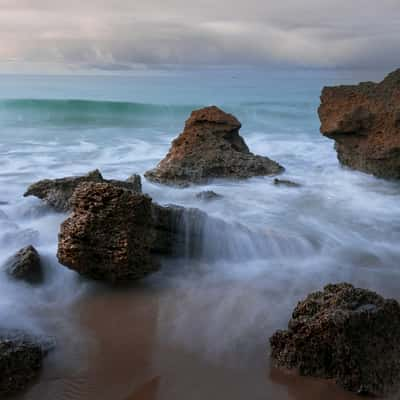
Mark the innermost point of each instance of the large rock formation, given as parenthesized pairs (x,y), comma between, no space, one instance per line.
(57,193)
(210,147)
(116,235)
(25,265)
(349,334)
(364,121)
(109,235)
(21,359)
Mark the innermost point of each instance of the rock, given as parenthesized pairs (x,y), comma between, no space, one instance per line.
(179,230)
(210,147)
(21,359)
(116,235)
(109,235)
(344,333)
(25,265)
(57,193)
(284,182)
(133,183)
(364,121)
(208,195)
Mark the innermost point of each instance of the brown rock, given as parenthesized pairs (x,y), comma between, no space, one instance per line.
(210,147)
(116,235)
(25,265)
(109,235)
(57,193)
(349,334)
(364,121)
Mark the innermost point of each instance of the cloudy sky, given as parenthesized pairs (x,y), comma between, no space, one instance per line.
(124,34)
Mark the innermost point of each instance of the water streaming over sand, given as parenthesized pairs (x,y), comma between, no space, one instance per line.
(199,328)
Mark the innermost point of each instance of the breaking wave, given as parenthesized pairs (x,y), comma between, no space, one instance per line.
(77,112)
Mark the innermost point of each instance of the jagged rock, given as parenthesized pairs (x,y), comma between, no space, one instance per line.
(25,265)
(133,183)
(116,235)
(344,333)
(210,147)
(364,121)
(57,193)
(208,195)
(109,235)
(21,359)
(285,182)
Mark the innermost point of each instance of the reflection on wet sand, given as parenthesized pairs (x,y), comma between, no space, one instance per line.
(147,391)
(305,388)
(173,338)
(117,328)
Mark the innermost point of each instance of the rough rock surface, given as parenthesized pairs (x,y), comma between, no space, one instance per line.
(210,147)
(364,121)
(116,235)
(25,265)
(349,334)
(57,193)
(109,234)
(20,362)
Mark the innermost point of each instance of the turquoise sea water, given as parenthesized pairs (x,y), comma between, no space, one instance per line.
(216,312)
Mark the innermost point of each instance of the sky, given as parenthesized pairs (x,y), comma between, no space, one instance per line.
(123,35)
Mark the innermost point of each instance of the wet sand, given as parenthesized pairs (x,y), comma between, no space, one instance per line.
(167,339)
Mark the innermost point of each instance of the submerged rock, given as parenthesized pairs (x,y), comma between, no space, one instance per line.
(208,195)
(285,182)
(21,359)
(25,265)
(179,230)
(349,334)
(57,193)
(210,147)
(364,121)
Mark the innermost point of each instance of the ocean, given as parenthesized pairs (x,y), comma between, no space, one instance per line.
(199,328)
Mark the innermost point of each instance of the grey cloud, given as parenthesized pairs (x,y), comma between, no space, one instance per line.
(122,34)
